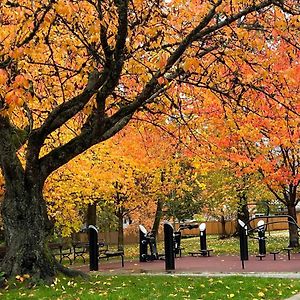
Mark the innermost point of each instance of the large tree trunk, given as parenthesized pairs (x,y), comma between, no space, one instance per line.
(290,200)
(24,213)
(157,218)
(26,227)
(91,216)
(293,230)
(223,233)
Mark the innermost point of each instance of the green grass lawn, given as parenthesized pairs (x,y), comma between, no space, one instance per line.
(275,240)
(158,287)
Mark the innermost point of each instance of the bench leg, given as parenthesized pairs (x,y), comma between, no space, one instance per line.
(81,255)
(122,259)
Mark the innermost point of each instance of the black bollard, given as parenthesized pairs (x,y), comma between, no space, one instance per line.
(243,242)
(169,246)
(202,228)
(261,237)
(93,247)
(143,243)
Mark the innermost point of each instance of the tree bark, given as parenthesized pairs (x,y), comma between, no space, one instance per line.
(91,216)
(293,230)
(223,228)
(27,228)
(24,213)
(290,200)
(157,218)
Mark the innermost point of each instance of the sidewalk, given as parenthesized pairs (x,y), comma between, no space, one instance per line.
(215,264)
(296,297)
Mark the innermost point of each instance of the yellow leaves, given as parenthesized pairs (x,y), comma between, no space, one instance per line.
(162,61)
(201,185)
(14,91)
(15,97)
(280,23)
(127,165)
(94,28)
(23,277)
(161,80)
(17,94)
(3,77)
(16,53)
(11,97)
(49,18)
(21,81)
(190,64)
(261,294)
(293,74)
(64,8)
(159,59)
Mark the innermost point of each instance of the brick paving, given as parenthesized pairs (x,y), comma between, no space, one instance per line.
(226,264)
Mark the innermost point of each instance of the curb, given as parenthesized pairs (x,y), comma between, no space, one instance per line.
(295,297)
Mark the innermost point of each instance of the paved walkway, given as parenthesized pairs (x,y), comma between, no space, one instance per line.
(296,297)
(225,264)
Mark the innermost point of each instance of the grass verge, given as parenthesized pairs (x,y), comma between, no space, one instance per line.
(157,287)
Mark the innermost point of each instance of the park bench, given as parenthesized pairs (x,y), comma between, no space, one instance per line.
(57,249)
(79,249)
(62,250)
(260,256)
(205,252)
(288,250)
(274,253)
(105,253)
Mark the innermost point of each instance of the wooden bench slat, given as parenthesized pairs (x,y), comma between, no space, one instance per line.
(107,254)
(201,252)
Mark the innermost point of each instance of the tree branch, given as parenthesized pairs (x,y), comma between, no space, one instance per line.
(37,24)
(9,162)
